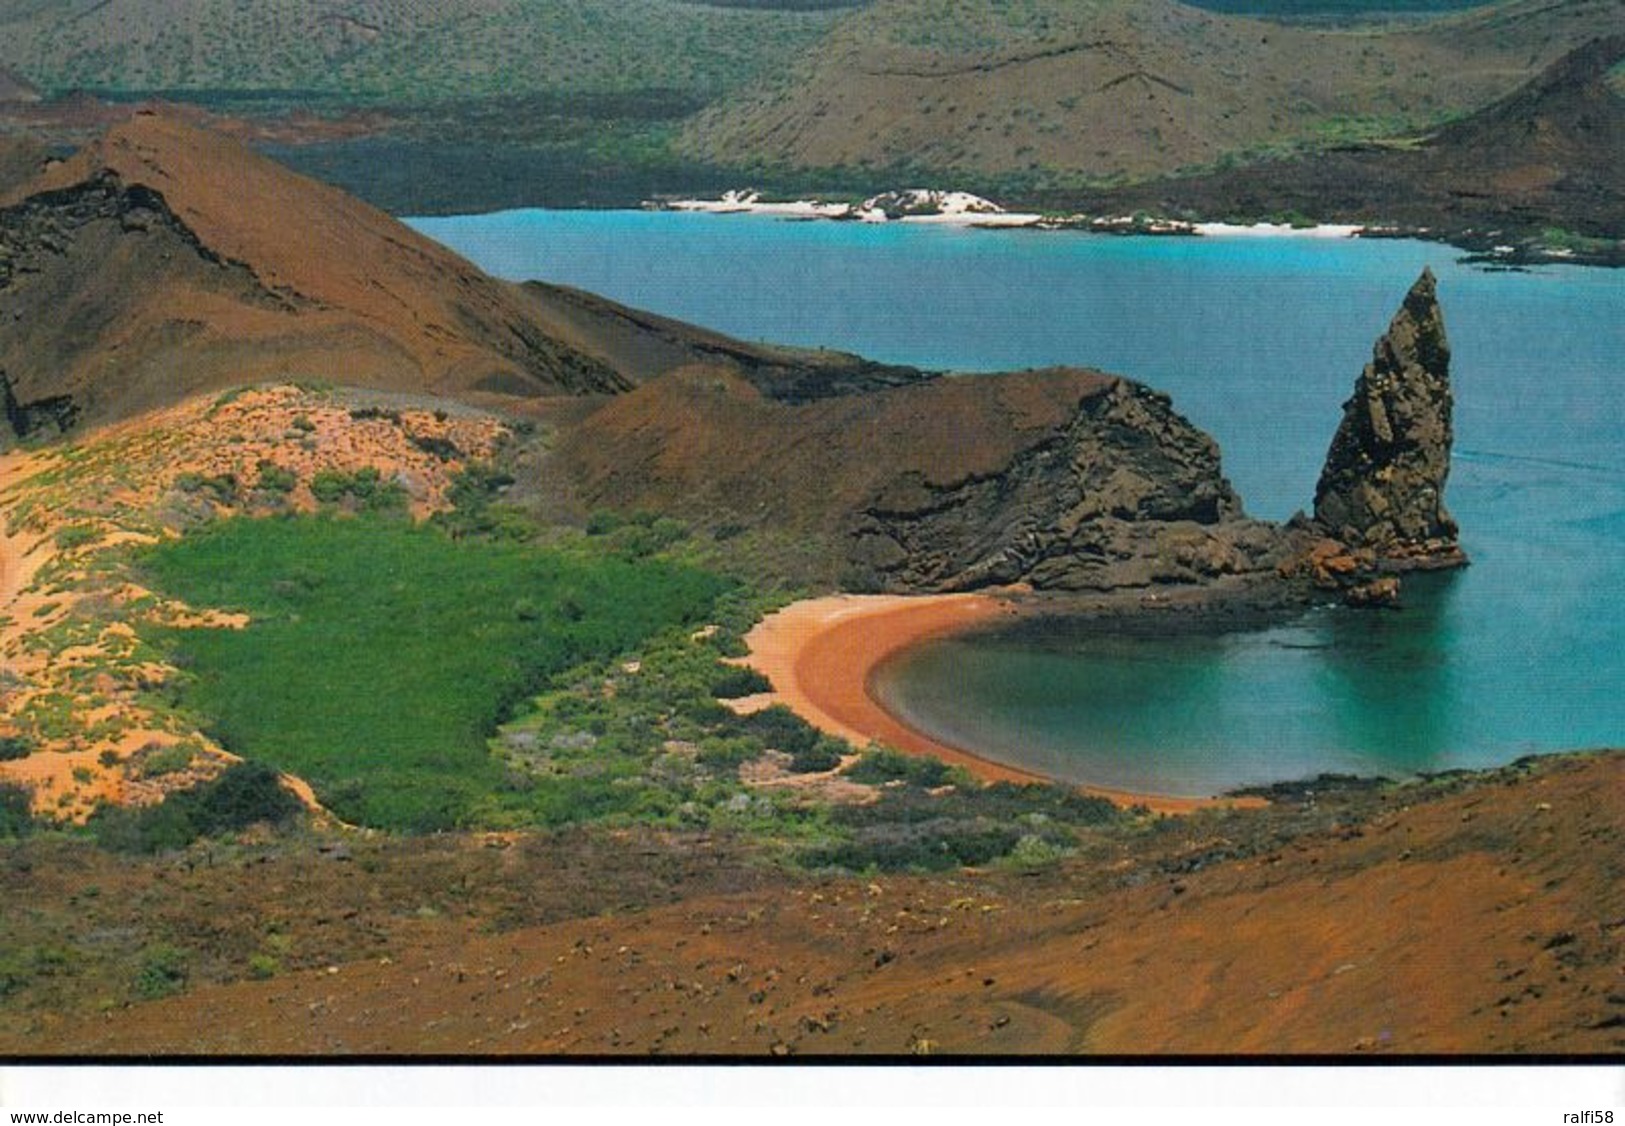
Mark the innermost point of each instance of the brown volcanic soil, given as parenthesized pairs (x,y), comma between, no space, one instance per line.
(1483,915)
(199,265)
(1110,87)
(718,443)
(177,255)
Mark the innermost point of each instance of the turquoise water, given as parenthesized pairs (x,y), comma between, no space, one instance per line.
(1259,341)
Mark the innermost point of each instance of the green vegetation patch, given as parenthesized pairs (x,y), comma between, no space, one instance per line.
(381,655)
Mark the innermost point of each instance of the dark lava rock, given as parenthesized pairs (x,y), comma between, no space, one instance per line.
(1382,488)
(1124,494)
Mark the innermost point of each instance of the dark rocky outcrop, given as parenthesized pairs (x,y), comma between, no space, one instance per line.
(29,418)
(1124,493)
(1382,488)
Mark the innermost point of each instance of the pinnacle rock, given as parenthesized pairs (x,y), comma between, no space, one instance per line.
(1382,487)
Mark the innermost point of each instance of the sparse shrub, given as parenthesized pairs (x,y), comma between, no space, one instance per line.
(736,681)
(244,794)
(475,511)
(221,488)
(302,423)
(1059,803)
(14,747)
(931,846)
(247,793)
(156,761)
(443,449)
(262,967)
(148,829)
(782,729)
(329,486)
(16,817)
(363,414)
(825,754)
(728,753)
(276,479)
(20,967)
(882,764)
(1033,852)
(602,522)
(77,535)
(365,488)
(640,539)
(162,973)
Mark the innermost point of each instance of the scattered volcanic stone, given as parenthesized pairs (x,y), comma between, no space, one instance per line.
(1382,487)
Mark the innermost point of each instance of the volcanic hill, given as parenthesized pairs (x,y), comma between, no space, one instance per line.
(163,260)
(1113,88)
(1067,478)
(1546,155)
(400,50)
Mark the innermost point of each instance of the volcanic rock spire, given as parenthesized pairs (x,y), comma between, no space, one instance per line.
(1382,487)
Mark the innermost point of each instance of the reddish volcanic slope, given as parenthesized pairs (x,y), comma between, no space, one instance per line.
(1488,919)
(163,259)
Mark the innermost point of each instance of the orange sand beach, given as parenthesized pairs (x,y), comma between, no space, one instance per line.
(822,653)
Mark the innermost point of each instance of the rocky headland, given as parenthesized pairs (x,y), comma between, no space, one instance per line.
(1070,482)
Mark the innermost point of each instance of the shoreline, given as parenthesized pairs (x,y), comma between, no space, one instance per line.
(821,655)
(961,209)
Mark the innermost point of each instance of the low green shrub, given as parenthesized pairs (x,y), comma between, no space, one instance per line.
(782,729)
(158,761)
(16,818)
(383,655)
(275,478)
(727,753)
(824,754)
(736,681)
(221,487)
(77,535)
(879,765)
(244,794)
(365,489)
(162,973)
(931,846)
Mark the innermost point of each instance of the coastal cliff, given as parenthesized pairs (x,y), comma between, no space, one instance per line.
(1124,493)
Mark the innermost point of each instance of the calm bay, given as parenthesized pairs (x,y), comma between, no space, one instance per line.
(1258,340)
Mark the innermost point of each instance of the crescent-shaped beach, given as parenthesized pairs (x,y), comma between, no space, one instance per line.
(822,654)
